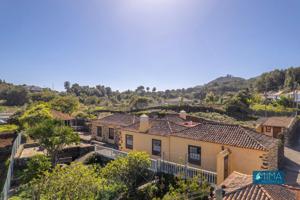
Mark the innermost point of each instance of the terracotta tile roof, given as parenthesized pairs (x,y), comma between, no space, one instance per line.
(119,119)
(261,192)
(277,121)
(236,180)
(203,130)
(209,131)
(239,186)
(61,116)
(188,122)
(228,134)
(159,127)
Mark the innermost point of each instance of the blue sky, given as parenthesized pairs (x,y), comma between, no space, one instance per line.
(162,43)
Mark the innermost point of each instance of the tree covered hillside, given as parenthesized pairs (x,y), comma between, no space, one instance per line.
(287,79)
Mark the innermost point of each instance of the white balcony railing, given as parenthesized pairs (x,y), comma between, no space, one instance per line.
(163,166)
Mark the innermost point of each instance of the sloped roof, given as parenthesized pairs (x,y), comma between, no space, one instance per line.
(159,127)
(61,116)
(180,121)
(261,192)
(203,130)
(239,186)
(236,180)
(228,134)
(209,131)
(277,121)
(120,119)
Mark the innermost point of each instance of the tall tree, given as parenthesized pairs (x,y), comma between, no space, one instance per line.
(289,78)
(66,104)
(67,86)
(15,96)
(53,136)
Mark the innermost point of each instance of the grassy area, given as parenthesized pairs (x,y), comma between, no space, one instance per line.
(8,128)
(222,118)
(271,108)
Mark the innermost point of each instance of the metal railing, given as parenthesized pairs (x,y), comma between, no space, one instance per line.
(163,166)
(6,187)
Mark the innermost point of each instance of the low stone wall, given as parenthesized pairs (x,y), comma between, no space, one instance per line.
(74,152)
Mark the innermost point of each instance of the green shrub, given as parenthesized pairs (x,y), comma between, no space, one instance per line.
(8,128)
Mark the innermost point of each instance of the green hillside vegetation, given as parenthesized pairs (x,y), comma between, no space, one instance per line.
(223,92)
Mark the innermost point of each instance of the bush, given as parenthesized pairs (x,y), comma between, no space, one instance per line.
(8,128)
(35,168)
(130,170)
(76,182)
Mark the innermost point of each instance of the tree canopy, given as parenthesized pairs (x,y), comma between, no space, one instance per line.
(53,136)
(130,170)
(66,104)
(14,95)
(72,182)
(35,114)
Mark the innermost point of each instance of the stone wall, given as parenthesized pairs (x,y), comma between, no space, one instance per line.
(73,152)
(274,158)
(289,134)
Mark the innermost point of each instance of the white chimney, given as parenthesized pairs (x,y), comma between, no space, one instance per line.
(182,114)
(144,123)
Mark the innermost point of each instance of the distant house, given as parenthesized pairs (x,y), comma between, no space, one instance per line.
(107,129)
(273,95)
(33,88)
(239,186)
(273,126)
(295,96)
(67,119)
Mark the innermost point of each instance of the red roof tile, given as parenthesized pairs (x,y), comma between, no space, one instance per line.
(261,192)
(118,119)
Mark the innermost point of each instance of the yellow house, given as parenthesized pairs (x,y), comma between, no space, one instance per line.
(208,145)
(107,129)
